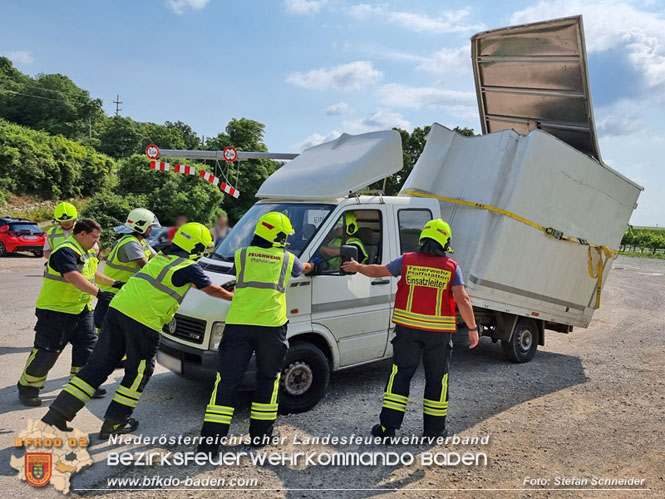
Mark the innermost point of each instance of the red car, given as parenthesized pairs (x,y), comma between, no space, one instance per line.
(19,234)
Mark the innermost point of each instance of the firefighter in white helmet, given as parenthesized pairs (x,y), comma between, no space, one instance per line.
(128,256)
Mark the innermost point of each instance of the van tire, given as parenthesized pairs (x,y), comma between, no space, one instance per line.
(305,368)
(523,342)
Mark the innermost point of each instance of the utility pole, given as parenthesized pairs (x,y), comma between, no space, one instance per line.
(117,103)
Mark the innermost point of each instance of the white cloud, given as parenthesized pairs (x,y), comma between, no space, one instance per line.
(306,7)
(315,139)
(396,95)
(364,10)
(449,22)
(378,120)
(337,109)
(610,24)
(448,60)
(181,6)
(20,56)
(351,76)
(621,119)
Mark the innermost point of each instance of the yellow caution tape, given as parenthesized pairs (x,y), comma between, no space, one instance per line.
(557,234)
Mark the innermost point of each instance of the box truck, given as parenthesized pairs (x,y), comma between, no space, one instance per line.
(535,213)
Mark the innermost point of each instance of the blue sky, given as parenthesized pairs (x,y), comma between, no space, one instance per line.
(311,69)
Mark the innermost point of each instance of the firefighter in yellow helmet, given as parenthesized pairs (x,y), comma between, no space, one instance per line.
(255,323)
(133,323)
(64,314)
(345,230)
(430,287)
(65,216)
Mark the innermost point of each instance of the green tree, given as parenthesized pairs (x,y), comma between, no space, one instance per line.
(120,137)
(50,102)
(33,162)
(188,135)
(162,136)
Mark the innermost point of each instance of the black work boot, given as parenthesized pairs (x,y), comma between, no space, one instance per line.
(264,439)
(112,428)
(54,418)
(384,432)
(99,394)
(211,450)
(28,400)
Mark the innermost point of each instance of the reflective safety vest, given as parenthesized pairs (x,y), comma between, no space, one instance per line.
(59,295)
(150,297)
(122,271)
(336,261)
(55,235)
(424,299)
(262,275)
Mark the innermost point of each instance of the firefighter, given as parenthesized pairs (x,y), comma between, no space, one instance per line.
(348,225)
(431,284)
(256,322)
(133,322)
(128,256)
(63,310)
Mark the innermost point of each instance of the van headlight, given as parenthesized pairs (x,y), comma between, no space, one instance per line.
(216,334)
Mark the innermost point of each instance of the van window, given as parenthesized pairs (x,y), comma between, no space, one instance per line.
(411,223)
(306,218)
(360,228)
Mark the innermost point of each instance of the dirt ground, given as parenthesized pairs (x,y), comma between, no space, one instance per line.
(590,404)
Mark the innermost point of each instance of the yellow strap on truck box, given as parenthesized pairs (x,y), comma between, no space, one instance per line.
(603,251)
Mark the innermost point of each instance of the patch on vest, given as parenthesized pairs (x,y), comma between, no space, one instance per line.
(427,277)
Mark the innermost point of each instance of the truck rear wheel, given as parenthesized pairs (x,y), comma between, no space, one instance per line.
(524,341)
(304,378)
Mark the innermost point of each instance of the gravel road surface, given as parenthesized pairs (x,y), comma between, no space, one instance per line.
(590,404)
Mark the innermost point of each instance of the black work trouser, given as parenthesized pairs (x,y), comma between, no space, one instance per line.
(235,351)
(120,334)
(100,311)
(436,349)
(52,333)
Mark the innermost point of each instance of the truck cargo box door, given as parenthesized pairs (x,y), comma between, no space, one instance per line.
(535,76)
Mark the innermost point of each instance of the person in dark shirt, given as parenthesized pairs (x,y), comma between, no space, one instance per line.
(63,309)
(133,324)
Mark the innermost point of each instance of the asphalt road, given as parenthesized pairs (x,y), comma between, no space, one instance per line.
(590,403)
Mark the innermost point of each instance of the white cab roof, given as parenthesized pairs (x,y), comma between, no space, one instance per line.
(333,169)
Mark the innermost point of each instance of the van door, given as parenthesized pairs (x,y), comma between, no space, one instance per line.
(355,308)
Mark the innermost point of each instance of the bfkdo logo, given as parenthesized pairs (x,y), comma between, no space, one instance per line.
(38,466)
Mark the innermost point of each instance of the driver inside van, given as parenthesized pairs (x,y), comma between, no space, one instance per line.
(344,231)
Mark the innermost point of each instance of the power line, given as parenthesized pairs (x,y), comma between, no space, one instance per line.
(62,92)
(34,96)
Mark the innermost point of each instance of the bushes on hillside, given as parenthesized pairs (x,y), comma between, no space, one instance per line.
(50,166)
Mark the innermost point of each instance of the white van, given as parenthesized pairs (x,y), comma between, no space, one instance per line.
(533,214)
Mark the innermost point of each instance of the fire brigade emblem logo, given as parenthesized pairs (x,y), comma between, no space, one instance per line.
(38,468)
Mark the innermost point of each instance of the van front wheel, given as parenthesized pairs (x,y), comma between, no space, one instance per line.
(304,378)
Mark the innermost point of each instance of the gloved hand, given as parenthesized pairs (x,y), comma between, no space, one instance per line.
(316,261)
(118,284)
(105,295)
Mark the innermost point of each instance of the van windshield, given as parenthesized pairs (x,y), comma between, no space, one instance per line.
(305,218)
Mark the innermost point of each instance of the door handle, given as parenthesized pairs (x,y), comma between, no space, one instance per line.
(380,282)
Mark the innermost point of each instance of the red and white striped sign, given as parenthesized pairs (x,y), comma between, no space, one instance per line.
(229,190)
(159,165)
(187,170)
(209,177)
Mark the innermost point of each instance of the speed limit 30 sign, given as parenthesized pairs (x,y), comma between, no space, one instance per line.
(152,151)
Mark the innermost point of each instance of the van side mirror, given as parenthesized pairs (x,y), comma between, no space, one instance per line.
(4,228)
(347,252)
